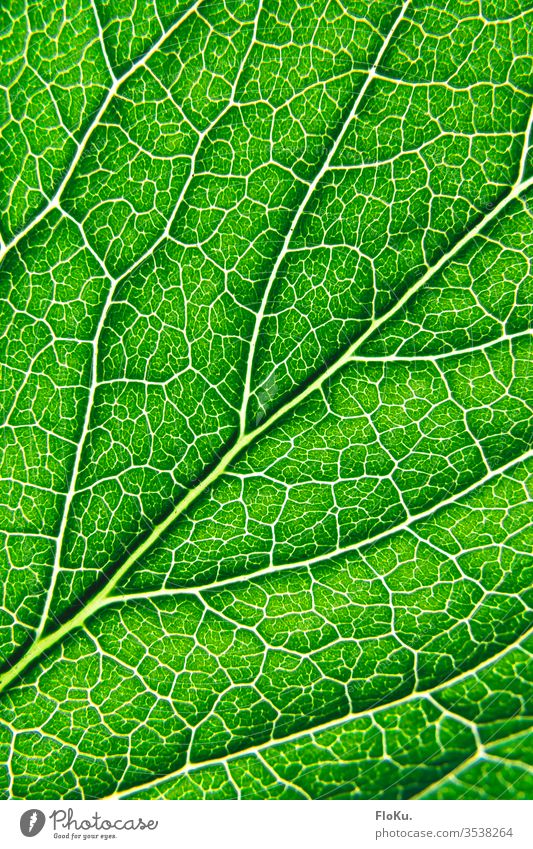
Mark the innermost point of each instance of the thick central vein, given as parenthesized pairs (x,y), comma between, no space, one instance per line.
(40,646)
(245,438)
(114,281)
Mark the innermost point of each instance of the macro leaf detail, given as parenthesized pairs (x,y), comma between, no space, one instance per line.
(266,399)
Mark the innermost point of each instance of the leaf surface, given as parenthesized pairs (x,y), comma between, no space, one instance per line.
(266,452)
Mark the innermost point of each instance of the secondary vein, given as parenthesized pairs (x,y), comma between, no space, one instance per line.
(245,438)
(53,202)
(328,725)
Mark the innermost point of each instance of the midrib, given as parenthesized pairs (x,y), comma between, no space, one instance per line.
(243,438)
(43,644)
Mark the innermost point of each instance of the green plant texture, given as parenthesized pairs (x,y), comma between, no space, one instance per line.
(266,446)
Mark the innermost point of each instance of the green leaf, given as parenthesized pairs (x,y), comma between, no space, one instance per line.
(266,452)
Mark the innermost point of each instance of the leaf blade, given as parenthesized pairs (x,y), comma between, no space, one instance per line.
(419,410)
